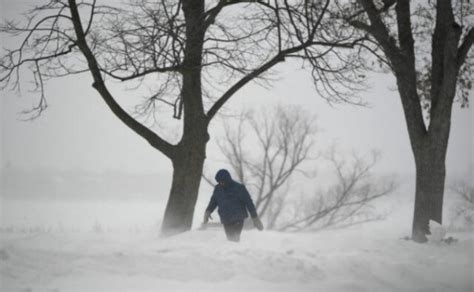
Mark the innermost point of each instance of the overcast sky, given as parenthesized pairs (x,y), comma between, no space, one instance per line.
(79,131)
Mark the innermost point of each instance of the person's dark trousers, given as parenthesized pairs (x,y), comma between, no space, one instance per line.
(233,230)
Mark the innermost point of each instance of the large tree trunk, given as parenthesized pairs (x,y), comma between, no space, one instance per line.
(430,158)
(430,180)
(188,162)
(429,146)
(187,166)
(188,159)
(430,151)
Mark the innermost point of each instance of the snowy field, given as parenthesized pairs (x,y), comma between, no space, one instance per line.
(117,248)
(205,261)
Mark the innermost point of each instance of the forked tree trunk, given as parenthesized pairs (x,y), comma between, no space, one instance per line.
(429,150)
(429,147)
(448,54)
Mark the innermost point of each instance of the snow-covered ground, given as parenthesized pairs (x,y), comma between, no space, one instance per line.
(105,245)
(364,258)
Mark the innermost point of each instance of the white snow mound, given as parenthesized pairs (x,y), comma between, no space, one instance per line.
(438,232)
(338,260)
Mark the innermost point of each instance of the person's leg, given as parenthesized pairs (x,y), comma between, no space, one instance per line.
(228,232)
(233,230)
(238,230)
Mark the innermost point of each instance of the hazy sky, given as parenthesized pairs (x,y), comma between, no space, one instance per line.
(79,131)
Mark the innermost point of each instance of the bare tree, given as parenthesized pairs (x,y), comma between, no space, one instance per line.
(345,203)
(265,150)
(194,55)
(428,50)
(277,207)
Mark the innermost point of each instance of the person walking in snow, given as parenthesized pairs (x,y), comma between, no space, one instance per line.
(232,200)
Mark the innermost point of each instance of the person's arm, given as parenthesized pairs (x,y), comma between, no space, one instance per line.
(251,207)
(248,202)
(210,207)
(212,203)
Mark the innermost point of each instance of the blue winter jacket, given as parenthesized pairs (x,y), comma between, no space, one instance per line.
(232,199)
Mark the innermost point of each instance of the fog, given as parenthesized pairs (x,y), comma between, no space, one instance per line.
(85,186)
(78,149)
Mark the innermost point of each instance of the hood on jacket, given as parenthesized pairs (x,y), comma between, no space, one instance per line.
(224,176)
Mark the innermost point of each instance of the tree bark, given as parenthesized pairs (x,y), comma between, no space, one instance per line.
(428,142)
(187,171)
(431,156)
(188,159)
(429,146)
(429,192)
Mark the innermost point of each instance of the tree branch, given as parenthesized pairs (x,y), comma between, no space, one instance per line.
(212,13)
(141,73)
(465,47)
(378,29)
(239,84)
(152,138)
(405,35)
